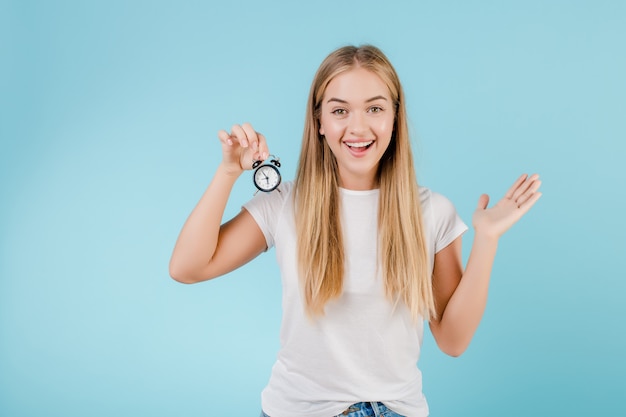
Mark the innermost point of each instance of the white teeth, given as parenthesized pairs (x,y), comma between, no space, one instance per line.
(359,144)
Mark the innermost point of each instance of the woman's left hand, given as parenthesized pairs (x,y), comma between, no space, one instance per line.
(518,200)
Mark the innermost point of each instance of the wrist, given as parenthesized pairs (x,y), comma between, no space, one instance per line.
(485,237)
(228,171)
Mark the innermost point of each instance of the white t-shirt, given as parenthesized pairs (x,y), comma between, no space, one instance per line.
(362,349)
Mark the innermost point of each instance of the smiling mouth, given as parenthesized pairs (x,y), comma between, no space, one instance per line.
(359,146)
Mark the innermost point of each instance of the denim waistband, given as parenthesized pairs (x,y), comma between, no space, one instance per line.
(364,409)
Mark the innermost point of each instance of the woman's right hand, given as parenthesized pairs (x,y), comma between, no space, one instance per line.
(241,147)
(197,255)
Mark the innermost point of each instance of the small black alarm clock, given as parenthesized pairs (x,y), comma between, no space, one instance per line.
(266,174)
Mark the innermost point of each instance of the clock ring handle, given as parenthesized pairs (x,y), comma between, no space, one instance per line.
(274,160)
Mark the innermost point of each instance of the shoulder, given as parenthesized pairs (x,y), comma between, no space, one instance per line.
(438,212)
(440,218)
(272,204)
(435,202)
(268,209)
(286,187)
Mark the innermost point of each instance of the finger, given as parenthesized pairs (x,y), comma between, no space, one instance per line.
(528,193)
(264,151)
(525,186)
(524,207)
(516,184)
(224,137)
(483,202)
(252,136)
(239,134)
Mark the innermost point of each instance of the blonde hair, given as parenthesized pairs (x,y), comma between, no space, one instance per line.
(402,244)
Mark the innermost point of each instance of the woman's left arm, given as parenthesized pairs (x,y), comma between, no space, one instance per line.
(461,297)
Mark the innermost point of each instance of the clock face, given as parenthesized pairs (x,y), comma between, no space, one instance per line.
(266,178)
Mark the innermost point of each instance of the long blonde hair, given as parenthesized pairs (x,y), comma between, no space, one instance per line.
(402,244)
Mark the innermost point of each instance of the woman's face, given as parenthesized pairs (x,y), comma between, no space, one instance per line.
(357,119)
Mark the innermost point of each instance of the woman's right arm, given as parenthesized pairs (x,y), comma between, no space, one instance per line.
(206,248)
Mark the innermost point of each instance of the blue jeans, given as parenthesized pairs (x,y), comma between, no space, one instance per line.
(364,409)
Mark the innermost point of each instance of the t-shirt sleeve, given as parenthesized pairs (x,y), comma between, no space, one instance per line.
(446,223)
(265,209)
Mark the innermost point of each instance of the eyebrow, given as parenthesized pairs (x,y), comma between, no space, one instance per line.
(367,101)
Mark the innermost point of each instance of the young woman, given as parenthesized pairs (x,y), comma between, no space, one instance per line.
(366,256)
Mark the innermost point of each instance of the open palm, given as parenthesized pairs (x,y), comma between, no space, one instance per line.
(496,220)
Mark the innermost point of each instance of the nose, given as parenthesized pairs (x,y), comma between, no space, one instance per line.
(358,124)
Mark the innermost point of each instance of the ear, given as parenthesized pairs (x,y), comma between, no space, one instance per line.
(321,130)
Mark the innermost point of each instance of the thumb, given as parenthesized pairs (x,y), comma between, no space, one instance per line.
(483,201)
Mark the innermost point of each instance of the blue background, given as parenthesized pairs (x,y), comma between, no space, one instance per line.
(108,120)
